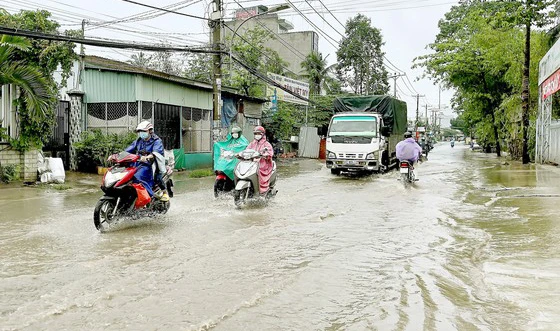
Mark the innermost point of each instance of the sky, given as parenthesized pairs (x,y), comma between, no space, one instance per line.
(407,27)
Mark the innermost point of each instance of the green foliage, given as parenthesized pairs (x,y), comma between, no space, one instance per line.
(30,65)
(479,52)
(253,53)
(9,173)
(199,173)
(360,59)
(94,148)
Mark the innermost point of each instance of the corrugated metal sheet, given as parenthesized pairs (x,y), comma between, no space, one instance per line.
(167,92)
(107,86)
(309,142)
(554,149)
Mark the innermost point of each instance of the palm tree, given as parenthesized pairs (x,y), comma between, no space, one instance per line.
(315,68)
(34,87)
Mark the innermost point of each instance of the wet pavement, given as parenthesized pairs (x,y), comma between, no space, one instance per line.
(474,245)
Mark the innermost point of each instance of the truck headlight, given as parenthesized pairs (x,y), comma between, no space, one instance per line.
(372,156)
(331,155)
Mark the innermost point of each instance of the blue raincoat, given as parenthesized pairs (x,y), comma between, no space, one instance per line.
(145,175)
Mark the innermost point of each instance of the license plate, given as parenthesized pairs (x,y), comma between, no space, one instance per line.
(404,170)
(351,162)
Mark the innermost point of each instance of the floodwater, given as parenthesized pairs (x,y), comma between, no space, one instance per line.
(474,245)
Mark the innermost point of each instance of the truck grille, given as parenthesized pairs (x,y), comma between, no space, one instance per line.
(350,156)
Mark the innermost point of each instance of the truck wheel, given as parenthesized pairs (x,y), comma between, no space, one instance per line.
(335,171)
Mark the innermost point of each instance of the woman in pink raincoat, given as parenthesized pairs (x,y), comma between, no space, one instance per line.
(261,145)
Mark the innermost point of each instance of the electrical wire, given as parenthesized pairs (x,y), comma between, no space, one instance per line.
(313,25)
(330,12)
(167,10)
(329,24)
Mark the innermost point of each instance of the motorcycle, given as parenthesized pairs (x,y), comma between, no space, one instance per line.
(123,198)
(406,170)
(452,144)
(246,175)
(223,183)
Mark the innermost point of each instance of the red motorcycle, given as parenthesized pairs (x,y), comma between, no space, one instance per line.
(123,198)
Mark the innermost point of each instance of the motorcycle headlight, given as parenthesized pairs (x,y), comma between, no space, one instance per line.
(331,155)
(372,156)
(112,178)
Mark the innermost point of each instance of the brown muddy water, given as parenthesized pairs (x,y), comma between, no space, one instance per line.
(474,245)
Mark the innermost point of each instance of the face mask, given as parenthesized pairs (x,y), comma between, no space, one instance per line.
(235,135)
(143,134)
(258,136)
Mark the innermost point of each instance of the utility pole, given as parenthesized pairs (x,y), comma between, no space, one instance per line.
(426,117)
(216,26)
(78,82)
(417,109)
(395,76)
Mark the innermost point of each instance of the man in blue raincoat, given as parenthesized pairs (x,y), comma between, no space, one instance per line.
(146,144)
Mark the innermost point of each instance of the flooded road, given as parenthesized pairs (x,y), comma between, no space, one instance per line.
(474,245)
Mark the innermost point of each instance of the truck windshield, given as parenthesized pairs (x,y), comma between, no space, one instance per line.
(353,125)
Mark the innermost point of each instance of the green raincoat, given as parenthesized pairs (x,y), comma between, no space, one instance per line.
(223,160)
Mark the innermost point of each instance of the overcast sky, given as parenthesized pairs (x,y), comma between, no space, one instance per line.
(407,28)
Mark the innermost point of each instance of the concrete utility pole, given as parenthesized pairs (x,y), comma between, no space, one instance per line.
(395,76)
(216,26)
(417,110)
(426,117)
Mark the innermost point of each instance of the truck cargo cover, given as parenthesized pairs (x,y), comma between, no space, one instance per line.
(392,110)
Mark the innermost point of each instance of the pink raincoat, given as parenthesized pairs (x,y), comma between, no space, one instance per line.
(265,163)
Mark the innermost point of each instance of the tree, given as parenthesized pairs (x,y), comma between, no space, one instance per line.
(30,63)
(315,68)
(140,60)
(252,52)
(360,59)
(478,52)
(530,13)
(35,89)
(198,67)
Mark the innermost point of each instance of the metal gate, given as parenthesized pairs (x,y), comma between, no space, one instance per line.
(59,142)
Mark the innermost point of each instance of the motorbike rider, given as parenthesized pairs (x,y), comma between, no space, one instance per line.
(235,142)
(146,145)
(261,145)
(408,149)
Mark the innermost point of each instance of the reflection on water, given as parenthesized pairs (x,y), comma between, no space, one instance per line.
(472,246)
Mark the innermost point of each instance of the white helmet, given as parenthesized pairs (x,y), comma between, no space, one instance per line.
(144,126)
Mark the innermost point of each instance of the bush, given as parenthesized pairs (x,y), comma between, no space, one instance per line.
(9,173)
(95,147)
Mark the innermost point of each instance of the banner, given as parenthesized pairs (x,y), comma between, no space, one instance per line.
(293,85)
(551,85)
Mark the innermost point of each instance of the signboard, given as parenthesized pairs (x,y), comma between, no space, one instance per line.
(551,85)
(244,13)
(296,86)
(550,63)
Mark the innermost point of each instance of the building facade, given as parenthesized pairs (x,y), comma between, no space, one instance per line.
(291,46)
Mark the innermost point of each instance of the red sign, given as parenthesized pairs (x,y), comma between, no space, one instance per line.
(242,14)
(551,85)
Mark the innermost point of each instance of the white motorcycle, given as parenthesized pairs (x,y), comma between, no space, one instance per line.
(246,178)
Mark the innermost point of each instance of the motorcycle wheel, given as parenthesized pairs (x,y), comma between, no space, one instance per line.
(218,187)
(102,217)
(239,197)
(162,207)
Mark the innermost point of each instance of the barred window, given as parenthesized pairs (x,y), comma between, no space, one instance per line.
(197,130)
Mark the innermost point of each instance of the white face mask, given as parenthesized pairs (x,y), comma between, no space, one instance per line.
(258,136)
(235,135)
(143,134)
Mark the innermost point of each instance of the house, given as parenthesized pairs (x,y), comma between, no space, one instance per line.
(115,96)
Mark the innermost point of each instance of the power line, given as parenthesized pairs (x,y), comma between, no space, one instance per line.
(330,12)
(101,43)
(324,18)
(313,25)
(167,10)
(292,49)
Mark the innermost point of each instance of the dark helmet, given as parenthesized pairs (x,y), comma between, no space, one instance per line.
(408,134)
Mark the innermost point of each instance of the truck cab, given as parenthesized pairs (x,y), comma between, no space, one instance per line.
(356,143)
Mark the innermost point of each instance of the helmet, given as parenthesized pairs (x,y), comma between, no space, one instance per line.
(259,128)
(408,134)
(144,126)
(236,129)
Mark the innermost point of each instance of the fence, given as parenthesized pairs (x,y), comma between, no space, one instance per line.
(554,149)
(176,125)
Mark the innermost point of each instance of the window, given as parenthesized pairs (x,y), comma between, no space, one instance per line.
(197,130)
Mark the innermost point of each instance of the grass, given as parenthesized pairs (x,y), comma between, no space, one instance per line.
(199,173)
(58,187)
